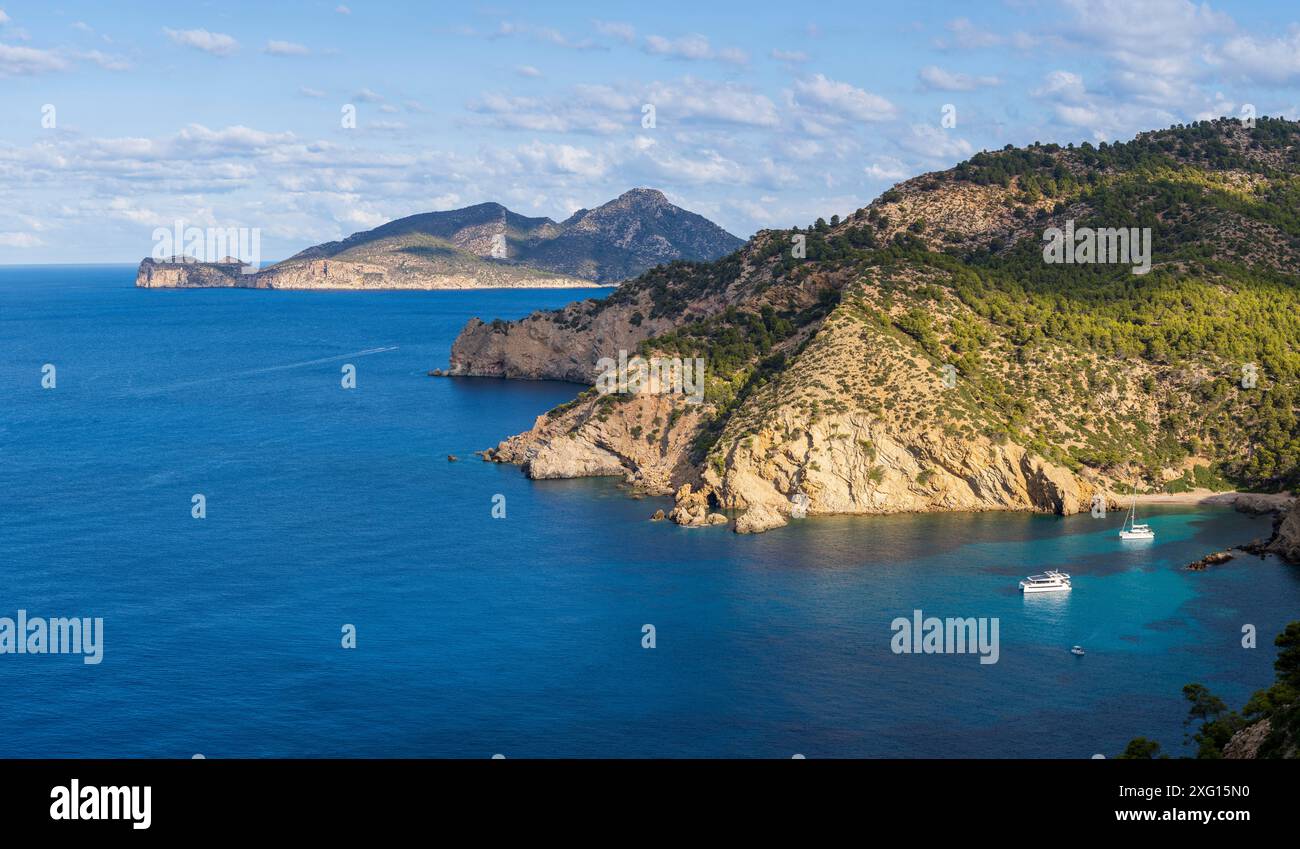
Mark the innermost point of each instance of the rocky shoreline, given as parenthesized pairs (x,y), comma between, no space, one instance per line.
(1283,540)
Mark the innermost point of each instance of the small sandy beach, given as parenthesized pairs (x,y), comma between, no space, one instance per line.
(1261,502)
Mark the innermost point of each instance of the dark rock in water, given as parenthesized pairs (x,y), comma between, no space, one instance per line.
(451,458)
(1257,546)
(1209,560)
(658,516)
(437,373)
(1285,539)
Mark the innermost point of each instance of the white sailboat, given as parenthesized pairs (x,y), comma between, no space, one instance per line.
(1132,528)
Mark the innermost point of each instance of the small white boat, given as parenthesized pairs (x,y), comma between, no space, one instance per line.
(1050,581)
(1078,650)
(1132,528)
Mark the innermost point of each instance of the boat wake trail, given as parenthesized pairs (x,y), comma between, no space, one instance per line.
(173,387)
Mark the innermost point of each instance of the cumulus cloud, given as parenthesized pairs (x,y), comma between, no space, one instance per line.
(836,102)
(1268,60)
(215,43)
(886,168)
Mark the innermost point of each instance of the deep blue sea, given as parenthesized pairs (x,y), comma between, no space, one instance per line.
(523,635)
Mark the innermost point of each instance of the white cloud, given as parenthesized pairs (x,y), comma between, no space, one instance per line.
(840,101)
(343,10)
(616,29)
(693,47)
(886,168)
(967,36)
(215,43)
(1156,47)
(368,96)
(19,240)
(705,100)
(1269,60)
(104,60)
(307,91)
(4,19)
(935,144)
(606,109)
(794,57)
(527,71)
(286,48)
(936,78)
(686,47)
(548,35)
(564,159)
(15,60)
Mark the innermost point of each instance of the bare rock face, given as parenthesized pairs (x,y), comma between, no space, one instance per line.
(1245,743)
(645,439)
(560,345)
(185,271)
(1286,539)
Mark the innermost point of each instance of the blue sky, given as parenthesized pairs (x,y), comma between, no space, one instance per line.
(229,114)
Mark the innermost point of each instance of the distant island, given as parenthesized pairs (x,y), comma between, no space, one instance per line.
(478,247)
(1046,329)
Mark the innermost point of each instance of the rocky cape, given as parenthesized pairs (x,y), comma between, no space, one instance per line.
(920,355)
(483,246)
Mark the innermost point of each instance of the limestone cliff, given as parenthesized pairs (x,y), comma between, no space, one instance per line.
(921,354)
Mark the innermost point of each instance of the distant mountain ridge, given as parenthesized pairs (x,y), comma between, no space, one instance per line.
(481,246)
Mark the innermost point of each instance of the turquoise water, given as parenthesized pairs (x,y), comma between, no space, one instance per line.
(519,635)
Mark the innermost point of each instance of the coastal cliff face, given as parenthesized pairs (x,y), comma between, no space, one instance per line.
(922,355)
(483,246)
(1286,538)
(185,272)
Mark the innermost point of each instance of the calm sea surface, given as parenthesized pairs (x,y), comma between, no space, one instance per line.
(520,635)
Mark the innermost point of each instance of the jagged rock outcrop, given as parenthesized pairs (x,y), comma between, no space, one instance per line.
(692,507)
(1286,536)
